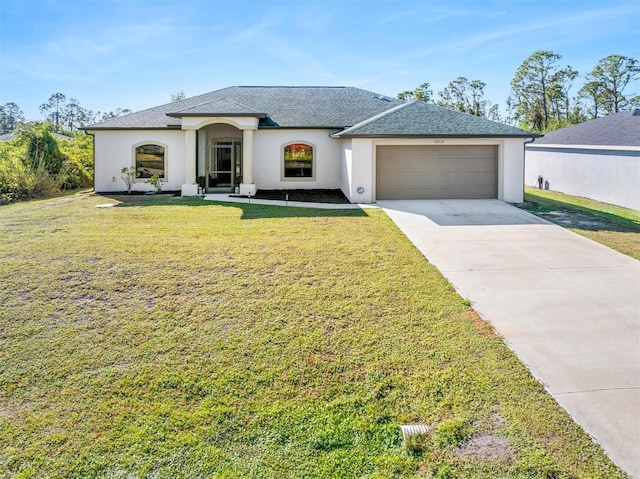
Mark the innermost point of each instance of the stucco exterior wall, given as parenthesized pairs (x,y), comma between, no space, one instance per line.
(114,150)
(346,164)
(607,175)
(362,171)
(511,170)
(268,161)
(346,167)
(362,165)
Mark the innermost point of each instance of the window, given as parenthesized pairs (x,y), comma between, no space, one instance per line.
(298,161)
(150,161)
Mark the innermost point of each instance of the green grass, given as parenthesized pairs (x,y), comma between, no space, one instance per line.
(614,226)
(169,337)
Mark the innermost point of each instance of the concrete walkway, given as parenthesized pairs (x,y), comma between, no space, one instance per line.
(567,306)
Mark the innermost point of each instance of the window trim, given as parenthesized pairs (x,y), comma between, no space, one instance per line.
(166,156)
(313,162)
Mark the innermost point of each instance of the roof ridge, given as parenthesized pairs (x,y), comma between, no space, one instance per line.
(290,86)
(215,101)
(374,118)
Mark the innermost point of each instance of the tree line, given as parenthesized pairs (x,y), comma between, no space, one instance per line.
(64,114)
(39,161)
(540,98)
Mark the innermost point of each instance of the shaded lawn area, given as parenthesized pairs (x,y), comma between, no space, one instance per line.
(613,226)
(169,337)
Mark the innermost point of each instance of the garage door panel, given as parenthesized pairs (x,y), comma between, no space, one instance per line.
(415,172)
(421,151)
(421,192)
(417,166)
(468,180)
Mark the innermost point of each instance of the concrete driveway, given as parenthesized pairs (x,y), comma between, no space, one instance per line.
(567,306)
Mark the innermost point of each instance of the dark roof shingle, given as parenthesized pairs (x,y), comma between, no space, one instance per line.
(354,111)
(416,119)
(618,129)
(221,107)
(303,107)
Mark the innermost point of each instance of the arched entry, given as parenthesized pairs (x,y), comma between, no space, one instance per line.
(220,157)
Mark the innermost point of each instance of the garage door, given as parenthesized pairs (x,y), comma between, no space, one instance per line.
(425,172)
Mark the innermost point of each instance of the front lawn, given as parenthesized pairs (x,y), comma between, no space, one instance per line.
(169,337)
(613,226)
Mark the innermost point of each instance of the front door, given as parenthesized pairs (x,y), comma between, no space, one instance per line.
(223,165)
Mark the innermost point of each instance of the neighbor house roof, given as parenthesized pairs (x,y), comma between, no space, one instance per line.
(419,119)
(350,111)
(618,129)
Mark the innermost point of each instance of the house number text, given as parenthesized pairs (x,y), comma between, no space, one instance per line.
(439,140)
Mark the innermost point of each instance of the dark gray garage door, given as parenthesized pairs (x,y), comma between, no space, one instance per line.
(431,172)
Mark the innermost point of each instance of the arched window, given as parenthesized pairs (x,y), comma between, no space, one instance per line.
(150,160)
(298,161)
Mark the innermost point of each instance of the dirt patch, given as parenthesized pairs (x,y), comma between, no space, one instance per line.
(308,196)
(574,220)
(582,220)
(482,326)
(486,447)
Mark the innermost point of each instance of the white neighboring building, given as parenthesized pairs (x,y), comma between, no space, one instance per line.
(598,159)
(271,138)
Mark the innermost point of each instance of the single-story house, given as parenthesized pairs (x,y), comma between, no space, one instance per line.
(598,159)
(258,137)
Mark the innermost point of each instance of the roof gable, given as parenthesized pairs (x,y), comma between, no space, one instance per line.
(618,129)
(218,107)
(419,119)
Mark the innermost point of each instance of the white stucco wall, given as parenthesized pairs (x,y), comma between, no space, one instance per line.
(346,166)
(359,162)
(511,170)
(607,174)
(268,163)
(114,151)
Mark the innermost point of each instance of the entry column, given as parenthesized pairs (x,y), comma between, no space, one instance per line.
(190,187)
(247,187)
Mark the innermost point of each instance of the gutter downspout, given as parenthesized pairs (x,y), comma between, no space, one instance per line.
(93,143)
(524,161)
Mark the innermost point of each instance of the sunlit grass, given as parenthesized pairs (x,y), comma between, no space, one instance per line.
(169,337)
(612,225)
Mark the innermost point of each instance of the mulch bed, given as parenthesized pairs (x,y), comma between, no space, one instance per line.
(312,196)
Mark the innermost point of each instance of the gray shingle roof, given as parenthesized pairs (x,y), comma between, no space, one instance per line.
(618,129)
(419,119)
(222,107)
(354,111)
(303,107)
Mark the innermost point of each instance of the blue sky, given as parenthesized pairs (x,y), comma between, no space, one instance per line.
(135,54)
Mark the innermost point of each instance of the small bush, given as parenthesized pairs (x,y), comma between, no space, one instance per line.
(18,180)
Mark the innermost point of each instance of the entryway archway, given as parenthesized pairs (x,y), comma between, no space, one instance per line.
(220,157)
